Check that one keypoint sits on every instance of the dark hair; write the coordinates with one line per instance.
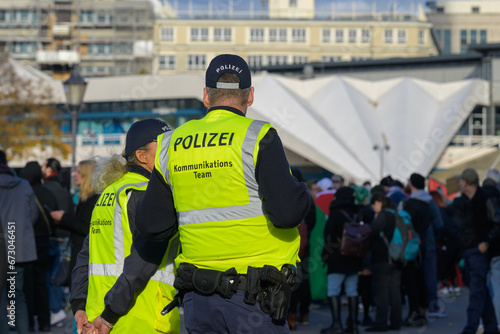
(54, 164)
(399, 183)
(3, 158)
(386, 202)
(367, 183)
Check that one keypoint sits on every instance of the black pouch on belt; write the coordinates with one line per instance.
(252, 287)
(184, 278)
(206, 281)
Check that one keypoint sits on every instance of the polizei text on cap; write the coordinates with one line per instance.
(228, 67)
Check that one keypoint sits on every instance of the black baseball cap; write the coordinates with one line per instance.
(142, 133)
(227, 63)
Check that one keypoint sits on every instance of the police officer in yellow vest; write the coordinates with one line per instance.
(109, 244)
(237, 208)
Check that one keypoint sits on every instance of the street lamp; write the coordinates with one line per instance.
(74, 88)
(382, 148)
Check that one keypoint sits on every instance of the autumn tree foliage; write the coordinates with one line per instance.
(27, 115)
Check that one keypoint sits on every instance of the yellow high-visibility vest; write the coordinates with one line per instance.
(110, 240)
(210, 165)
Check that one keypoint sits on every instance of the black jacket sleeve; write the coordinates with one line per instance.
(157, 206)
(140, 265)
(284, 198)
(80, 279)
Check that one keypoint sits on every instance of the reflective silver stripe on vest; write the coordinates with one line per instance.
(251, 210)
(116, 269)
(167, 275)
(165, 143)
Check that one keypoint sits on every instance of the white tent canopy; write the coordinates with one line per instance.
(336, 121)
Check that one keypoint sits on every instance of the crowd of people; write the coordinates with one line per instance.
(458, 245)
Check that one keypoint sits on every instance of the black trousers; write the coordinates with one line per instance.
(413, 280)
(301, 297)
(447, 257)
(386, 285)
(36, 288)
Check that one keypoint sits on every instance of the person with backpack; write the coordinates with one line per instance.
(427, 221)
(386, 273)
(341, 268)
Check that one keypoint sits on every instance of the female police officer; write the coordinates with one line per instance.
(109, 245)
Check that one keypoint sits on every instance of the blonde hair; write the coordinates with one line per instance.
(108, 170)
(111, 169)
(87, 168)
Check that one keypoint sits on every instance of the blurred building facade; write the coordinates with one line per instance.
(104, 37)
(461, 23)
(289, 32)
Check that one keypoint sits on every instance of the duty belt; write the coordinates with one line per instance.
(268, 285)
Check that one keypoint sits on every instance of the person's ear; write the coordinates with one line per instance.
(141, 156)
(206, 102)
(250, 97)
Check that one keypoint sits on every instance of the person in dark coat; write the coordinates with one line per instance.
(385, 272)
(449, 245)
(54, 181)
(78, 223)
(341, 269)
(475, 240)
(37, 291)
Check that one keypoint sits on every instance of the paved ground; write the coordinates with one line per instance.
(320, 318)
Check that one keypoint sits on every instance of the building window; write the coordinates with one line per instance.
(167, 62)
(326, 35)
(167, 34)
(339, 35)
(86, 16)
(352, 35)
(331, 59)
(447, 42)
(23, 47)
(483, 36)
(388, 35)
(255, 61)
(299, 35)
(100, 49)
(276, 60)
(366, 36)
(273, 35)
(3, 15)
(440, 10)
(463, 41)
(401, 36)
(104, 17)
(282, 35)
(293, 3)
(257, 35)
(222, 34)
(300, 59)
(199, 34)
(277, 35)
(197, 62)
(473, 37)
(124, 48)
(21, 15)
(475, 10)
(360, 58)
(421, 37)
